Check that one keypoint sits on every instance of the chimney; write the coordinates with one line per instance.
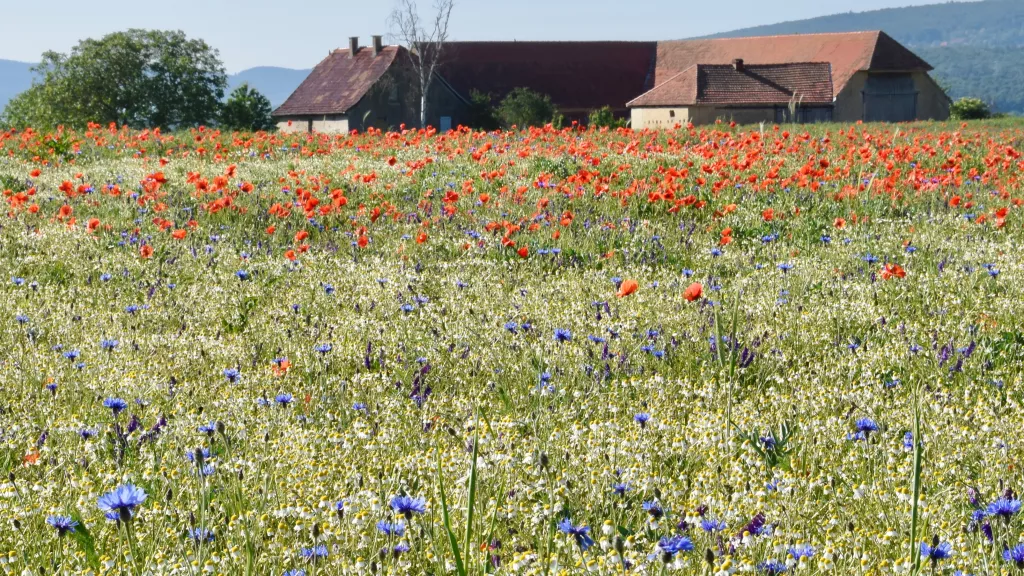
(737, 64)
(378, 45)
(353, 46)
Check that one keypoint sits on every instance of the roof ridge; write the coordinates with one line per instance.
(876, 32)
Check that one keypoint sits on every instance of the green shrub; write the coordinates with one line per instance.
(524, 107)
(969, 109)
(246, 109)
(605, 118)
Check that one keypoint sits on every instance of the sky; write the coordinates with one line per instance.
(299, 33)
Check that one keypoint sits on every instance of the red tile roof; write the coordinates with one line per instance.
(806, 82)
(338, 82)
(847, 52)
(576, 75)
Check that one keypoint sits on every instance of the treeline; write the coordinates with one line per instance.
(989, 23)
(138, 78)
(994, 75)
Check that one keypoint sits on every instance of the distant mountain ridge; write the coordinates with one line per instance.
(977, 48)
(273, 82)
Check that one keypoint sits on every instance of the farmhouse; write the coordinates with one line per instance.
(800, 92)
(796, 78)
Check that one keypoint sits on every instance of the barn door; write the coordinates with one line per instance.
(890, 98)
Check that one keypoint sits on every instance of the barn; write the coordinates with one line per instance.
(841, 77)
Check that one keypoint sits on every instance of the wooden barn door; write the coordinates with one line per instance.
(890, 98)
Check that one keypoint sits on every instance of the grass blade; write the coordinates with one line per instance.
(459, 566)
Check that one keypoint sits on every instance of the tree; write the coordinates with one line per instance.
(141, 78)
(246, 109)
(605, 118)
(969, 109)
(425, 48)
(481, 112)
(524, 107)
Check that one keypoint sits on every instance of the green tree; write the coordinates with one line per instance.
(142, 78)
(246, 109)
(481, 112)
(605, 118)
(969, 109)
(524, 107)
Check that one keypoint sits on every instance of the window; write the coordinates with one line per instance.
(446, 123)
(671, 113)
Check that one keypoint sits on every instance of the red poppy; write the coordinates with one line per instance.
(523, 252)
(627, 287)
(693, 292)
(146, 251)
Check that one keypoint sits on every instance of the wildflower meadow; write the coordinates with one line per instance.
(710, 351)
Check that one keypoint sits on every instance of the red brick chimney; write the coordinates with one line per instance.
(737, 64)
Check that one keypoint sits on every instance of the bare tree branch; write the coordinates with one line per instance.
(425, 46)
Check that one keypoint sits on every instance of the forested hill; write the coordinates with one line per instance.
(977, 48)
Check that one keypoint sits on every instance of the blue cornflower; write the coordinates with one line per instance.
(712, 525)
(408, 505)
(687, 272)
(122, 501)
(116, 405)
(63, 524)
(132, 308)
(232, 374)
(283, 399)
(621, 488)
(596, 339)
(391, 528)
(772, 567)
(87, 433)
(108, 345)
(908, 440)
(579, 533)
(562, 335)
(654, 508)
(939, 551)
(715, 252)
(870, 259)
(200, 535)
(294, 572)
(72, 355)
(104, 277)
(675, 544)
(203, 453)
(785, 267)
(1004, 507)
(642, 419)
(323, 348)
(328, 289)
(407, 308)
(315, 553)
(359, 406)
(866, 426)
(21, 318)
(242, 275)
(825, 239)
(208, 428)
(1015, 555)
(511, 327)
(801, 551)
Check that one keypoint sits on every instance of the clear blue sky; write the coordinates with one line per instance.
(299, 33)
